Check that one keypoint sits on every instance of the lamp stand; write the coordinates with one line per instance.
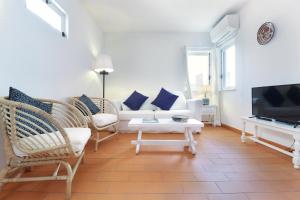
(103, 73)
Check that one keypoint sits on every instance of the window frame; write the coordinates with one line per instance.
(197, 51)
(201, 52)
(223, 66)
(54, 6)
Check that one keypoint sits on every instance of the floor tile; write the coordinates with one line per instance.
(224, 168)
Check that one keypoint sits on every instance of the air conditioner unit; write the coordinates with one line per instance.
(226, 29)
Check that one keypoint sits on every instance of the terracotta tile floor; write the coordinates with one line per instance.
(224, 168)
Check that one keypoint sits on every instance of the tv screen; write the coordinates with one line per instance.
(281, 102)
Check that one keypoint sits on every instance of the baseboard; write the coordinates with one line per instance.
(236, 130)
(231, 128)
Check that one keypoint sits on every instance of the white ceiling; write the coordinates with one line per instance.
(160, 15)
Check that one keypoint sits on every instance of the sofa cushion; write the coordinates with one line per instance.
(90, 104)
(170, 113)
(129, 114)
(103, 119)
(164, 99)
(180, 103)
(135, 100)
(78, 138)
(146, 106)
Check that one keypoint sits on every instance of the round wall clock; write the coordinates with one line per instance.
(265, 33)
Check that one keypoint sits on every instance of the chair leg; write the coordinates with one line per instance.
(69, 182)
(116, 129)
(69, 190)
(98, 140)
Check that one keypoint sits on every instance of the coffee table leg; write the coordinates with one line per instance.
(192, 141)
(186, 134)
(138, 145)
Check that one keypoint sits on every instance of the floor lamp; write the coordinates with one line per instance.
(103, 66)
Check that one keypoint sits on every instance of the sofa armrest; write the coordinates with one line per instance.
(195, 106)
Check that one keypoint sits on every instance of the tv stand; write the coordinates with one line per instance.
(274, 126)
(264, 118)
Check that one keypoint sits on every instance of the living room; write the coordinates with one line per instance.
(51, 50)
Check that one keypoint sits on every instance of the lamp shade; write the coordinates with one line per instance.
(206, 90)
(103, 63)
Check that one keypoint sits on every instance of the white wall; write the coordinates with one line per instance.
(276, 63)
(148, 61)
(38, 60)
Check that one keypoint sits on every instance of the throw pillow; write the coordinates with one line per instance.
(30, 124)
(90, 104)
(17, 95)
(165, 99)
(135, 100)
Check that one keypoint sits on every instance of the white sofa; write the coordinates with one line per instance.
(182, 106)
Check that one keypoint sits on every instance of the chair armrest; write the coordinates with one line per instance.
(109, 106)
(34, 131)
(195, 106)
(66, 114)
(82, 108)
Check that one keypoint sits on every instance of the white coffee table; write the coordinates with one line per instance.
(165, 123)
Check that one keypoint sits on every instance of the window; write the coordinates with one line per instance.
(228, 67)
(50, 12)
(198, 63)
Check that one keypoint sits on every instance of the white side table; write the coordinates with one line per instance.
(211, 111)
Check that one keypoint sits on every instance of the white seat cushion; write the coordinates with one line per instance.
(128, 115)
(103, 119)
(170, 113)
(78, 138)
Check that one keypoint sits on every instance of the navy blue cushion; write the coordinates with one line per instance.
(135, 100)
(90, 104)
(164, 99)
(18, 96)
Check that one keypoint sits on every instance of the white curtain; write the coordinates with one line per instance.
(216, 82)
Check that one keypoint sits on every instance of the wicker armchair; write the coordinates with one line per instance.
(33, 137)
(107, 118)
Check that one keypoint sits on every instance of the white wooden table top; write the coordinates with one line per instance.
(191, 123)
(273, 124)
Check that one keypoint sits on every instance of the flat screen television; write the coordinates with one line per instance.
(281, 102)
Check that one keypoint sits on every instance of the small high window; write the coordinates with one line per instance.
(228, 67)
(51, 12)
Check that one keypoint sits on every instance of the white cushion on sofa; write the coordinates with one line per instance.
(170, 113)
(78, 138)
(180, 103)
(129, 114)
(102, 119)
(147, 105)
